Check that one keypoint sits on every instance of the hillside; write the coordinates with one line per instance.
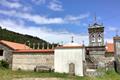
(21, 38)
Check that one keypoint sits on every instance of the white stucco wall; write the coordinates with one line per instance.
(63, 57)
(28, 61)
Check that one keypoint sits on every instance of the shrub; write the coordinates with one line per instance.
(4, 64)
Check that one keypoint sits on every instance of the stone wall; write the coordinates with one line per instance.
(7, 54)
(97, 53)
(28, 61)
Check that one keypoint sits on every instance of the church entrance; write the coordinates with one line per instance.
(72, 69)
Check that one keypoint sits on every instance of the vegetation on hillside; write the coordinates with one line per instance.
(21, 38)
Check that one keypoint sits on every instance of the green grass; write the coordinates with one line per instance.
(7, 74)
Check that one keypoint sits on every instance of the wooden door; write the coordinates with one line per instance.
(72, 68)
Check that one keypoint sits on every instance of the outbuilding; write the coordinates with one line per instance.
(30, 59)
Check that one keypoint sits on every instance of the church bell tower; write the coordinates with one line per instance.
(96, 34)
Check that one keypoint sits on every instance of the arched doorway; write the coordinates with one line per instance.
(72, 68)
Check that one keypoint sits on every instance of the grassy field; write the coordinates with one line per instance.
(6, 74)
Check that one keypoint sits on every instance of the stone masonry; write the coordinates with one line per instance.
(7, 54)
(28, 61)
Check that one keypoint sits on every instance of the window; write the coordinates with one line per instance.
(93, 39)
(99, 35)
(99, 44)
(1, 52)
(99, 39)
(93, 36)
(118, 44)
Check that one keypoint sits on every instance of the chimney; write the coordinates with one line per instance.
(33, 45)
(29, 43)
(52, 45)
(38, 46)
(57, 44)
(48, 46)
(43, 46)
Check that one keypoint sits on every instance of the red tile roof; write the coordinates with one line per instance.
(14, 45)
(109, 47)
(34, 51)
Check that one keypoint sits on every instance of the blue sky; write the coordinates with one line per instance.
(58, 20)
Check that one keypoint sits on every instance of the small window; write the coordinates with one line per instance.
(99, 39)
(99, 35)
(1, 52)
(93, 39)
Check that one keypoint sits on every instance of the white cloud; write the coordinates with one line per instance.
(38, 2)
(15, 5)
(37, 19)
(112, 29)
(42, 19)
(76, 19)
(34, 18)
(55, 5)
(42, 32)
(10, 4)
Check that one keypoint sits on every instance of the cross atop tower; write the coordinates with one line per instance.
(72, 39)
(117, 31)
(95, 19)
(96, 34)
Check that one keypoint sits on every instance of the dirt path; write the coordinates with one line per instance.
(39, 79)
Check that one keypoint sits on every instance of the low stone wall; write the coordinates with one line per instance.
(28, 61)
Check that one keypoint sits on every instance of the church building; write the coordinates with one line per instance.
(70, 58)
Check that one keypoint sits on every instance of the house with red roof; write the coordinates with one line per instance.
(21, 56)
(7, 48)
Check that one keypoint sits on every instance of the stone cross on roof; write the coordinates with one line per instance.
(72, 39)
(95, 19)
(117, 31)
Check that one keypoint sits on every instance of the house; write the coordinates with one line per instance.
(20, 56)
(6, 49)
(70, 58)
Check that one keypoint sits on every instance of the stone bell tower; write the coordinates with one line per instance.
(96, 34)
(95, 51)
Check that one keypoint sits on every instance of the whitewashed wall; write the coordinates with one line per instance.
(63, 57)
(28, 61)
